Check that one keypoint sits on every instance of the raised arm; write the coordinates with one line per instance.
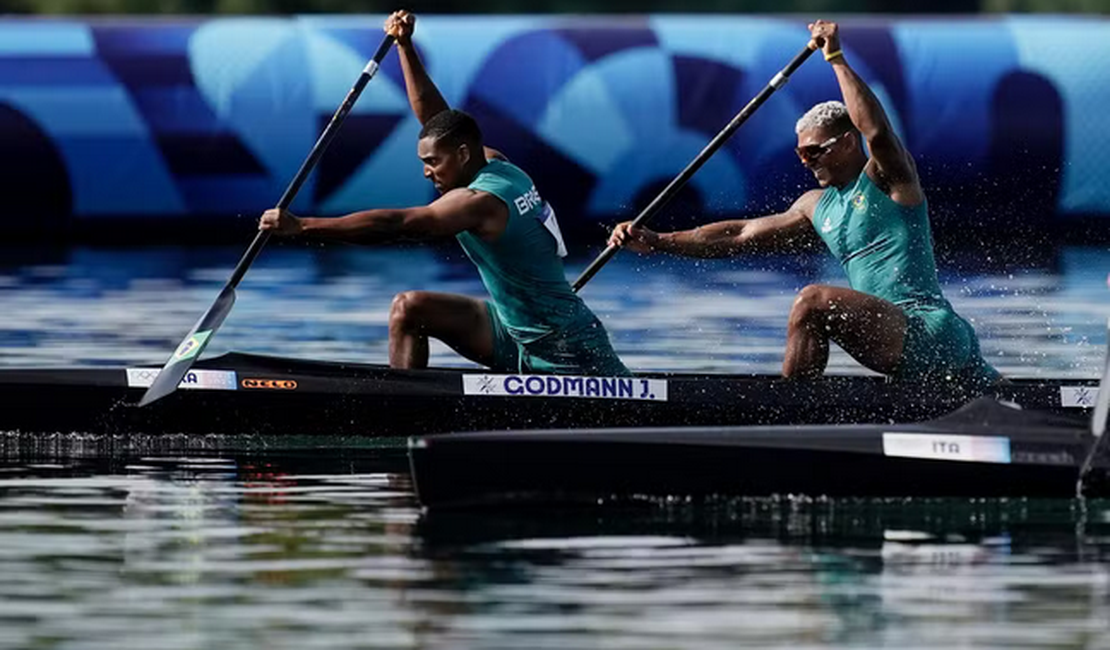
(424, 97)
(789, 229)
(890, 165)
(454, 212)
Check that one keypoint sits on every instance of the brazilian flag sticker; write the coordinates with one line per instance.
(192, 346)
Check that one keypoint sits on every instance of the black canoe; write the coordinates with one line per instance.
(244, 393)
(984, 449)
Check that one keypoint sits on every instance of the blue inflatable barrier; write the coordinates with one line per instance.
(158, 119)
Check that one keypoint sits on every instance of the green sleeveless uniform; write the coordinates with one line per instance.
(886, 249)
(539, 323)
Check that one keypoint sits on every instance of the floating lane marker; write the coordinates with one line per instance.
(194, 379)
(973, 449)
(624, 388)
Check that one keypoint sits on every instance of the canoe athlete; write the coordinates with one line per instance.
(872, 215)
(533, 321)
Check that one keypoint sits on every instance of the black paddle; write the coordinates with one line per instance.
(778, 81)
(1098, 418)
(195, 341)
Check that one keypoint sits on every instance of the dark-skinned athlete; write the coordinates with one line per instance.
(533, 321)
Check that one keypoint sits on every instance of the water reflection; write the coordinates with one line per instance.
(311, 550)
(200, 552)
(781, 572)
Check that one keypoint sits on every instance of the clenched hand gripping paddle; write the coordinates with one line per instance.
(672, 188)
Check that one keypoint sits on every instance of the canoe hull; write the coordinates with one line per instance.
(980, 451)
(253, 394)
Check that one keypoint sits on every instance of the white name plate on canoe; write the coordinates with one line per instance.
(627, 388)
(972, 449)
(1078, 396)
(194, 379)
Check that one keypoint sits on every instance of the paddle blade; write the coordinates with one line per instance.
(190, 348)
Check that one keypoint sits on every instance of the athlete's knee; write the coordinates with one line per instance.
(405, 311)
(812, 307)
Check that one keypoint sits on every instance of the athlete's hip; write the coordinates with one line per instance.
(582, 347)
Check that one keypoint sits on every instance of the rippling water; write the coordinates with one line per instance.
(101, 306)
(332, 552)
(294, 544)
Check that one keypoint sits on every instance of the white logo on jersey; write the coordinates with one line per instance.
(527, 201)
(531, 199)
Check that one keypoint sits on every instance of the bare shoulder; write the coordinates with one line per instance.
(465, 197)
(463, 209)
(806, 204)
(475, 203)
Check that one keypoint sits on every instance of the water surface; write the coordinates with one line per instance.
(331, 551)
(227, 542)
(92, 306)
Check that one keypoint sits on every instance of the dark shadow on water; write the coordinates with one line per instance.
(1019, 524)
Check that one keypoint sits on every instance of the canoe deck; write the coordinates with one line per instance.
(255, 394)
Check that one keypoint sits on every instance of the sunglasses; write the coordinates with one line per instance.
(815, 151)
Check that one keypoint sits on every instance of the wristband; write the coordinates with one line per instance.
(832, 55)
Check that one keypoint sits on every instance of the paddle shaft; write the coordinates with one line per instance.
(778, 81)
(314, 156)
(188, 351)
(1098, 417)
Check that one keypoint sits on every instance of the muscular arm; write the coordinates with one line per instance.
(791, 228)
(424, 97)
(454, 212)
(890, 164)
